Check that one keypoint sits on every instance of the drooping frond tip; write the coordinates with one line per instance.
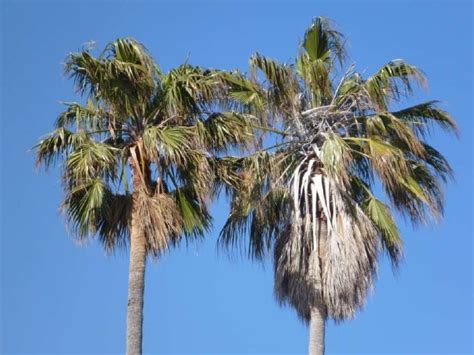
(395, 80)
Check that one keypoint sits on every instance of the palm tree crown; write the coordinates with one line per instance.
(164, 126)
(312, 197)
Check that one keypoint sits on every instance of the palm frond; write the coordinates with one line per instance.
(388, 127)
(189, 90)
(247, 95)
(423, 116)
(335, 156)
(282, 83)
(123, 77)
(222, 131)
(83, 207)
(196, 218)
(394, 80)
(322, 46)
(315, 74)
(91, 160)
(438, 163)
(322, 42)
(383, 221)
(255, 203)
(87, 117)
(171, 144)
(385, 159)
(129, 50)
(113, 227)
(57, 145)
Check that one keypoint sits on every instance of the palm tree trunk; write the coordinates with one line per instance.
(317, 331)
(317, 325)
(136, 288)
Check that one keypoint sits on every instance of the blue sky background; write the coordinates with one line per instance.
(57, 297)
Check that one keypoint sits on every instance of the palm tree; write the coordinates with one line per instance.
(322, 198)
(159, 130)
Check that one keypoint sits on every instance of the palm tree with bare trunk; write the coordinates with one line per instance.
(138, 155)
(342, 161)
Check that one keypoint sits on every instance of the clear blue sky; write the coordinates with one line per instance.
(57, 297)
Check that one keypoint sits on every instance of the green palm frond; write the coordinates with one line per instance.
(322, 42)
(420, 194)
(87, 117)
(113, 227)
(322, 46)
(349, 88)
(247, 95)
(171, 144)
(438, 163)
(261, 219)
(335, 155)
(123, 77)
(282, 83)
(381, 217)
(223, 131)
(315, 74)
(385, 160)
(57, 145)
(178, 98)
(388, 127)
(128, 50)
(423, 116)
(83, 207)
(393, 81)
(257, 206)
(189, 90)
(196, 218)
(91, 160)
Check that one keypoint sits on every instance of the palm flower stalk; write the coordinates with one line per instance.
(322, 199)
(138, 156)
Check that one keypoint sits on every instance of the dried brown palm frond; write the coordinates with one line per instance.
(160, 219)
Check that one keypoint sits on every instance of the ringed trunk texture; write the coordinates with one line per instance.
(317, 331)
(136, 288)
(136, 276)
(317, 325)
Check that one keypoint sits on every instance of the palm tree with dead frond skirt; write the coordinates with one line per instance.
(157, 129)
(312, 196)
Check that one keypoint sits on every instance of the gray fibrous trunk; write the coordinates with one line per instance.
(317, 331)
(136, 287)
